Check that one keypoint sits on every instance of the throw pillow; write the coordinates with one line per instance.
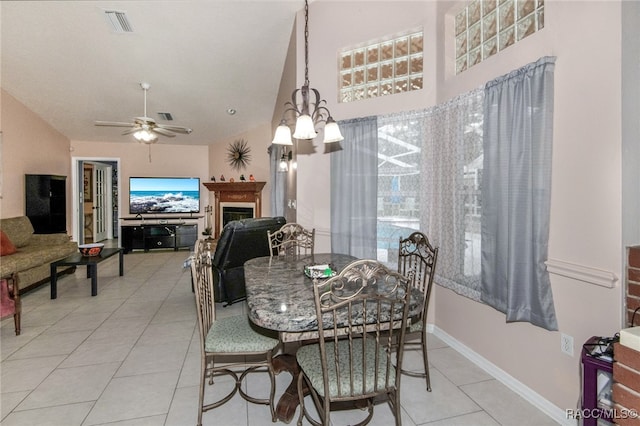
(6, 246)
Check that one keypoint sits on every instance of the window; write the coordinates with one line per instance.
(486, 27)
(381, 69)
(400, 138)
(429, 175)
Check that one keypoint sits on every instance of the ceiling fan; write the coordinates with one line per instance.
(145, 129)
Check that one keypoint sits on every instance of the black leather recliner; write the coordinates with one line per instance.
(240, 241)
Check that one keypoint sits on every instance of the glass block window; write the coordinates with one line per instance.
(381, 69)
(485, 27)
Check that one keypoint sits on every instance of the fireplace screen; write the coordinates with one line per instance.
(235, 213)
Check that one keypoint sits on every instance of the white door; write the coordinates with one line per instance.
(101, 202)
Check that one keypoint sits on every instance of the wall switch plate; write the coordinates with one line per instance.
(566, 344)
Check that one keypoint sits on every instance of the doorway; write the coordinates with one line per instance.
(95, 190)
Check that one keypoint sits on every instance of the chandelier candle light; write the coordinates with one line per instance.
(305, 118)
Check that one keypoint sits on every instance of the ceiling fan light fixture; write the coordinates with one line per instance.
(145, 129)
(145, 136)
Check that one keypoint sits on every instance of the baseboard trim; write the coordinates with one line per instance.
(544, 405)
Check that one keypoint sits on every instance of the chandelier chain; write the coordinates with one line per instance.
(306, 42)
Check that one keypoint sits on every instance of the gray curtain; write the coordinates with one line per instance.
(278, 182)
(354, 189)
(516, 189)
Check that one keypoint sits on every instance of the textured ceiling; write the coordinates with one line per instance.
(63, 60)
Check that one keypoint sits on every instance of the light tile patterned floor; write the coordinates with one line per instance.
(129, 356)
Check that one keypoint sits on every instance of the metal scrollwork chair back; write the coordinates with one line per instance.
(417, 260)
(356, 358)
(291, 239)
(245, 348)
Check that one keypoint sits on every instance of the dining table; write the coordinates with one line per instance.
(280, 298)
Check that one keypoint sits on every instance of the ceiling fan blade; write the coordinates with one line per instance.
(114, 124)
(177, 129)
(131, 130)
(163, 132)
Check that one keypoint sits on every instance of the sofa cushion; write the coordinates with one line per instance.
(6, 246)
(32, 256)
(18, 229)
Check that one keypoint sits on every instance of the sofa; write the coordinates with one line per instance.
(239, 241)
(28, 254)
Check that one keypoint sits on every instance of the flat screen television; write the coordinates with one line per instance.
(160, 195)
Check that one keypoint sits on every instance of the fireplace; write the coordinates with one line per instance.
(235, 211)
(241, 196)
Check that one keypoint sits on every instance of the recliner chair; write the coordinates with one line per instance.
(240, 241)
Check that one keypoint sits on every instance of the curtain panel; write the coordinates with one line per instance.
(516, 194)
(451, 153)
(278, 182)
(354, 189)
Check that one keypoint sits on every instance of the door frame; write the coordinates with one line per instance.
(77, 192)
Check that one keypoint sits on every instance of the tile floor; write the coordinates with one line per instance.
(130, 356)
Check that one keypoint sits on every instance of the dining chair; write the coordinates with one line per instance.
(417, 260)
(10, 303)
(291, 239)
(244, 348)
(359, 312)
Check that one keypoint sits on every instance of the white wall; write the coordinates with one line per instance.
(586, 212)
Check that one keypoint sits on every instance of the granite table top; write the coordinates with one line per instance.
(280, 295)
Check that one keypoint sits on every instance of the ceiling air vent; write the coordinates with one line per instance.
(165, 116)
(119, 21)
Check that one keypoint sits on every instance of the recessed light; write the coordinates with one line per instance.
(231, 111)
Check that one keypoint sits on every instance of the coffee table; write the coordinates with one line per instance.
(92, 267)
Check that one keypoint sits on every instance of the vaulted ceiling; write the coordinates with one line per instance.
(64, 61)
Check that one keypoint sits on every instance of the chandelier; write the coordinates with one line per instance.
(308, 114)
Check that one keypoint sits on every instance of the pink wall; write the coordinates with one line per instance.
(259, 140)
(586, 202)
(29, 146)
(160, 159)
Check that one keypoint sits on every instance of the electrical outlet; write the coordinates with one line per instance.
(566, 344)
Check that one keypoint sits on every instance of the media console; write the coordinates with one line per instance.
(158, 236)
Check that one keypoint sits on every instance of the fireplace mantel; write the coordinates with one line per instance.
(235, 192)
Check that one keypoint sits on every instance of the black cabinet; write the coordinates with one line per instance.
(149, 237)
(46, 203)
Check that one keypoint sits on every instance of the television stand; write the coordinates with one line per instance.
(159, 236)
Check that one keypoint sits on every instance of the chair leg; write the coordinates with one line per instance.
(203, 378)
(16, 321)
(272, 393)
(425, 358)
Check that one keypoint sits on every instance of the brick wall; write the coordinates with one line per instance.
(632, 291)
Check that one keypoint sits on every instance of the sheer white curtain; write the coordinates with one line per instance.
(354, 189)
(450, 214)
(516, 194)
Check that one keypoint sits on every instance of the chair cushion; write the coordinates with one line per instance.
(415, 326)
(236, 335)
(308, 357)
(6, 246)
